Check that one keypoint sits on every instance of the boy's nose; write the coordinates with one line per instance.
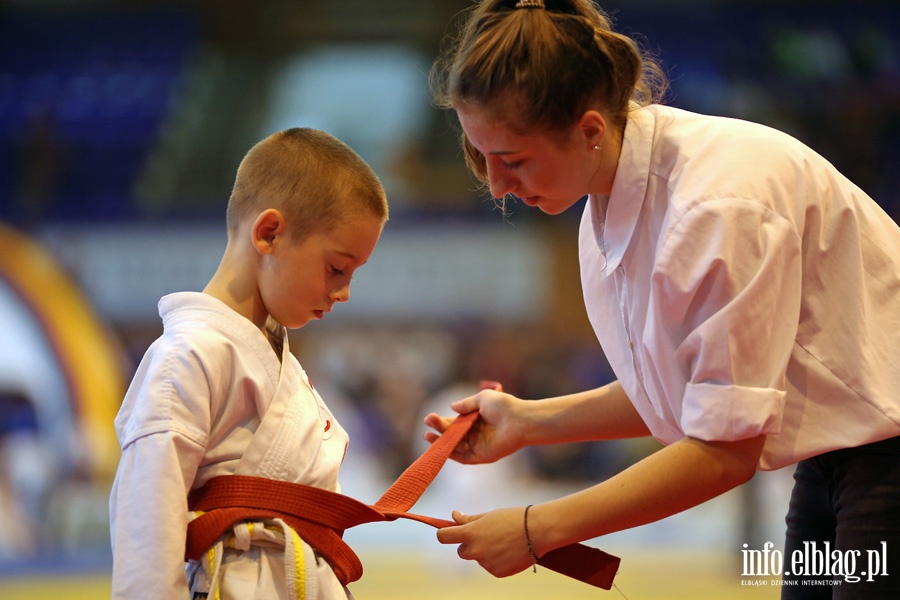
(341, 294)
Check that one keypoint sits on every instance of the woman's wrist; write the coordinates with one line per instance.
(531, 552)
(540, 531)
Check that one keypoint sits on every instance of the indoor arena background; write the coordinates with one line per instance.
(121, 127)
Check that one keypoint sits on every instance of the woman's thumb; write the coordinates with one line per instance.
(461, 518)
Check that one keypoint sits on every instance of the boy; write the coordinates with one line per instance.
(219, 393)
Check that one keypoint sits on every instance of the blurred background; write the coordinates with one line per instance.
(121, 127)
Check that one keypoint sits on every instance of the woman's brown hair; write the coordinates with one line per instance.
(541, 68)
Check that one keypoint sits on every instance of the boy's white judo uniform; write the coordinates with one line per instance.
(211, 398)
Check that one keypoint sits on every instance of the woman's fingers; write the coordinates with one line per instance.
(455, 534)
(437, 422)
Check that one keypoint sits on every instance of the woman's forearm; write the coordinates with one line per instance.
(673, 479)
(604, 413)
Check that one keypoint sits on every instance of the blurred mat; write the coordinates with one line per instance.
(647, 575)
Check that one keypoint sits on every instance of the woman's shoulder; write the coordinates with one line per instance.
(712, 151)
(687, 130)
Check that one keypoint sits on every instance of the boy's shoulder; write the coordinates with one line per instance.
(191, 322)
(188, 372)
(204, 330)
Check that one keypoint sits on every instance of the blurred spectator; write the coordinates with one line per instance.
(26, 471)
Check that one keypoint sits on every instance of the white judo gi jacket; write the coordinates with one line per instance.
(740, 285)
(210, 398)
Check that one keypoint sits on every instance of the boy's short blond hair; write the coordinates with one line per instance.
(314, 179)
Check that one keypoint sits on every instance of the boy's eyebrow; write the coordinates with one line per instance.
(349, 255)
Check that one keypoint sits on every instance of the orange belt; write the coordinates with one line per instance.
(320, 517)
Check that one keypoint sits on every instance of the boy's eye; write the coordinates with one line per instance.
(336, 271)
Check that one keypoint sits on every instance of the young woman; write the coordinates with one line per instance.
(746, 294)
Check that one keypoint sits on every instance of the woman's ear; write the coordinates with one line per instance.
(266, 230)
(592, 128)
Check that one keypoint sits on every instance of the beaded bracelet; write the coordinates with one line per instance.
(528, 540)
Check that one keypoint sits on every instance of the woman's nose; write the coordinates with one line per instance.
(500, 181)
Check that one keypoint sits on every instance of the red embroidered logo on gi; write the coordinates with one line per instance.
(327, 424)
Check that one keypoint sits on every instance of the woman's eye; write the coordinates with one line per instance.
(513, 165)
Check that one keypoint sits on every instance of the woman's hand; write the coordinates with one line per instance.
(498, 432)
(496, 540)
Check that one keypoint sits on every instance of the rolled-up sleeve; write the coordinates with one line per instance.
(726, 297)
(726, 413)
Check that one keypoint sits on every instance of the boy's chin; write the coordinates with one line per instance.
(295, 323)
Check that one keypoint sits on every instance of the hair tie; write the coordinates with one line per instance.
(530, 4)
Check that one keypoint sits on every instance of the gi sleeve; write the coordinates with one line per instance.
(726, 291)
(148, 516)
(163, 429)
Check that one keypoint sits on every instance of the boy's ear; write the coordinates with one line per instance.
(266, 229)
